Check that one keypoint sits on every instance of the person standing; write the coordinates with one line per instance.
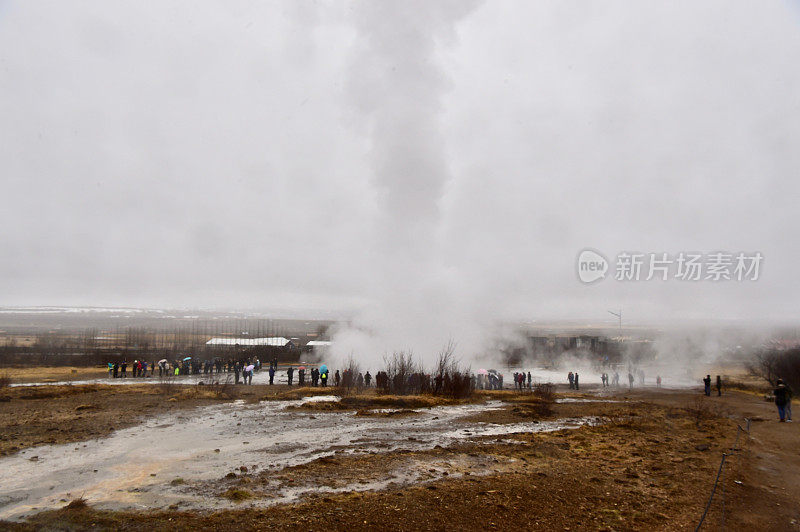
(719, 386)
(571, 379)
(324, 378)
(367, 379)
(781, 398)
(577, 385)
(658, 381)
(630, 380)
(271, 375)
(301, 377)
(707, 385)
(290, 374)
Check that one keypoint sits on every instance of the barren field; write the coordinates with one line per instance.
(265, 457)
(52, 374)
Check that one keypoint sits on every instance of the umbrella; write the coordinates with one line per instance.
(249, 368)
(162, 361)
(494, 371)
(302, 367)
(482, 372)
(323, 369)
(187, 358)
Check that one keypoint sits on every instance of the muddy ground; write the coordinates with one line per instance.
(649, 465)
(31, 416)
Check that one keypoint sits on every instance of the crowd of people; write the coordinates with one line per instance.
(242, 369)
(521, 381)
(607, 380)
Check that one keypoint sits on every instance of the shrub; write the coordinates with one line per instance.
(774, 364)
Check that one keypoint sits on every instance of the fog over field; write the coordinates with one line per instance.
(427, 168)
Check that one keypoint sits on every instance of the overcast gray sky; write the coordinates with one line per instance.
(409, 157)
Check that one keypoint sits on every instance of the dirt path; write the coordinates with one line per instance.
(763, 480)
(770, 474)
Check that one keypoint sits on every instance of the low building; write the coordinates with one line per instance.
(273, 341)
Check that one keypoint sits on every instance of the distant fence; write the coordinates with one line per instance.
(27, 356)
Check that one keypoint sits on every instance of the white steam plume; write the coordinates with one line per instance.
(398, 85)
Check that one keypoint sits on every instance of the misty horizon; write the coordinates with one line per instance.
(398, 163)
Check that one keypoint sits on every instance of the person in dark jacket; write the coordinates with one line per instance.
(290, 374)
(719, 386)
(707, 385)
(271, 374)
(781, 394)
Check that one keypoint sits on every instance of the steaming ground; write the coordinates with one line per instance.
(136, 467)
(588, 376)
(639, 459)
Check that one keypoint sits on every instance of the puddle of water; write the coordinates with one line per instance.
(133, 467)
(588, 400)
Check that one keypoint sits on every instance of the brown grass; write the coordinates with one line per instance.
(53, 374)
(237, 494)
(77, 504)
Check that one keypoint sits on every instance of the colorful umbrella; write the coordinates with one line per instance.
(187, 358)
(482, 372)
(323, 369)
